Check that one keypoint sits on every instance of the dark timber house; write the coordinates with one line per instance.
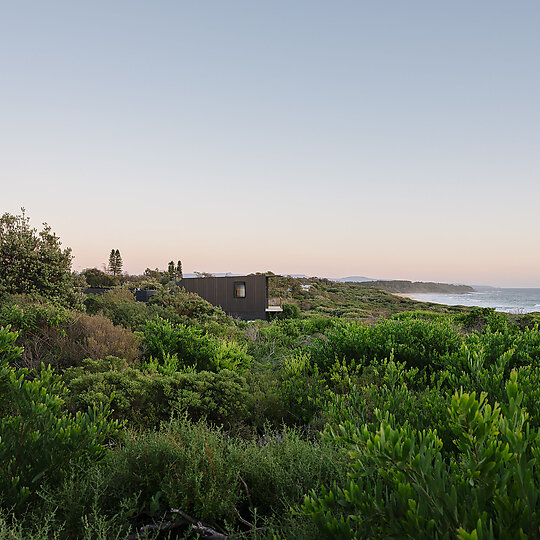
(243, 297)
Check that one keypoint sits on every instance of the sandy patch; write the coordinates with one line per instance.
(410, 296)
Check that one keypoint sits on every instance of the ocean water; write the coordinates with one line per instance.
(507, 300)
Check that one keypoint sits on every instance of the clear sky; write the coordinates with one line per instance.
(396, 139)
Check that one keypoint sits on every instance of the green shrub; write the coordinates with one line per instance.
(120, 306)
(214, 477)
(53, 335)
(34, 263)
(529, 320)
(39, 441)
(39, 528)
(303, 390)
(279, 473)
(27, 315)
(264, 403)
(479, 319)
(276, 340)
(290, 311)
(387, 387)
(418, 343)
(525, 345)
(402, 483)
(181, 307)
(148, 398)
(80, 507)
(316, 325)
(484, 361)
(193, 346)
(184, 466)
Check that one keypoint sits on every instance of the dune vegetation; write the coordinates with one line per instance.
(352, 414)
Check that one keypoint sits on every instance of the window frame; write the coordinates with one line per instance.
(236, 283)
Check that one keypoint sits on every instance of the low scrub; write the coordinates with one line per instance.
(53, 335)
(217, 479)
(418, 343)
(193, 347)
(146, 398)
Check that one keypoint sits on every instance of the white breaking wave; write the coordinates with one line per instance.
(507, 300)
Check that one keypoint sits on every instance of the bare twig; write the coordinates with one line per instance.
(198, 527)
(208, 532)
(247, 491)
(244, 521)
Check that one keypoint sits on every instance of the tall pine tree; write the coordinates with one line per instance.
(172, 272)
(119, 262)
(115, 263)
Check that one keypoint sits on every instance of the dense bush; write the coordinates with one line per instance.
(120, 306)
(193, 346)
(182, 466)
(290, 311)
(276, 340)
(182, 307)
(95, 336)
(302, 388)
(387, 387)
(208, 475)
(418, 343)
(39, 441)
(403, 483)
(147, 398)
(28, 315)
(54, 335)
(95, 277)
(188, 367)
(480, 319)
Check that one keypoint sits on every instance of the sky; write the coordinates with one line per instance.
(394, 140)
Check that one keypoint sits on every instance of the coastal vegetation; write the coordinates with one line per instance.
(353, 414)
(401, 286)
(319, 296)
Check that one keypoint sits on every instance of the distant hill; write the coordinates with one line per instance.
(355, 279)
(214, 274)
(400, 286)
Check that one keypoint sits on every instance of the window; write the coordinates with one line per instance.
(239, 289)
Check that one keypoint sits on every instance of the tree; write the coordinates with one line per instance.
(175, 272)
(172, 271)
(179, 274)
(119, 262)
(33, 262)
(96, 278)
(115, 263)
(112, 262)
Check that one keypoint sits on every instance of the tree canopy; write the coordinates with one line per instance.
(33, 262)
(97, 278)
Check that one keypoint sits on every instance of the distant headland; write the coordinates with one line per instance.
(406, 287)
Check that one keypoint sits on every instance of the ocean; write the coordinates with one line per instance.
(502, 299)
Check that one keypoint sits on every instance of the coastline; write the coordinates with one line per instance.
(506, 300)
(410, 296)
